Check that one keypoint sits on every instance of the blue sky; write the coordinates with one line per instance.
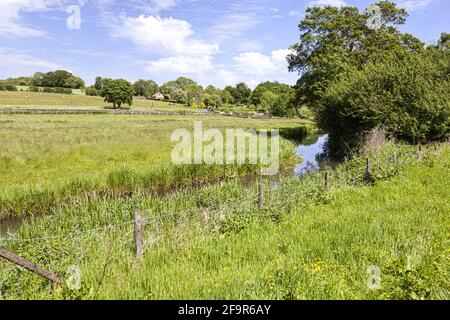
(214, 42)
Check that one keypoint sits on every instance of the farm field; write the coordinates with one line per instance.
(216, 244)
(46, 101)
(49, 152)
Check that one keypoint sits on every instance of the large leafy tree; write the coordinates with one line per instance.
(118, 92)
(332, 40)
(145, 88)
(274, 87)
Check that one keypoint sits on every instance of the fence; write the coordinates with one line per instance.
(138, 223)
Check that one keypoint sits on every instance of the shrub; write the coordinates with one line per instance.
(48, 90)
(63, 90)
(34, 89)
(2, 87)
(407, 94)
(10, 87)
(91, 92)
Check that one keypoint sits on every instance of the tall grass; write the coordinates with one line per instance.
(46, 160)
(307, 242)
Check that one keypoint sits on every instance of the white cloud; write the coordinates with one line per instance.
(181, 65)
(165, 36)
(260, 65)
(19, 63)
(160, 5)
(295, 13)
(334, 3)
(11, 25)
(414, 5)
(256, 67)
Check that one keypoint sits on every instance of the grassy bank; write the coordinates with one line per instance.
(307, 242)
(47, 158)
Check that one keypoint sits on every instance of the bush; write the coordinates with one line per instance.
(63, 90)
(2, 87)
(91, 92)
(10, 87)
(34, 89)
(48, 90)
(407, 94)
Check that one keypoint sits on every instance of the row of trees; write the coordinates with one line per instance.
(273, 97)
(54, 79)
(358, 76)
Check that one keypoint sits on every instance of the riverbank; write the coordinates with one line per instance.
(306, 242)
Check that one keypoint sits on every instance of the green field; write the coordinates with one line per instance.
(34, 100)
(41, 154)
(306, 243)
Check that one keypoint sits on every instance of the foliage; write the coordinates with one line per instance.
(58, 78)
(118, 92)
(92, 91)
(145, 88)
(274, 87)
(10, 87)
(215, 244)
(407, 94)
(241, 93)
(334, 40)
(34, 89)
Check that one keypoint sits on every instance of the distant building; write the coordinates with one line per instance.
(158, 96)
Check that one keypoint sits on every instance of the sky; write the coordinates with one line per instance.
(218, 42)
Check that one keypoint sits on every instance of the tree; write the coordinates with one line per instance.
(242, 93)
(334, 40)
(145, 88)
(213, 101)
(226, 97)
(444, 41)
(118, 92)
(274, 87)
(98, 83)
(407, 94)
(267, 101)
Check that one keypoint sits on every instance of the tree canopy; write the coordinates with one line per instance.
(118, 92)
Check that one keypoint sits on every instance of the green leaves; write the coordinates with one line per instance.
(118, 92)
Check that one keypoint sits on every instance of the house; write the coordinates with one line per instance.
(158, 96)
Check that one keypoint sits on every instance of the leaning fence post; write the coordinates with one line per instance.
(260, 196)
(326, 178)
(368, 169)
(138, 235)
(33, 267)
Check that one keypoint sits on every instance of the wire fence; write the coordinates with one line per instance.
(273, 197)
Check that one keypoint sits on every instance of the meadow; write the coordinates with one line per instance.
(307, 242)
(45, 101)
(48, 157)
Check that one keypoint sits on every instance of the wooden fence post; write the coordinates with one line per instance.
(260, 196)
(368, 169)
(24, 263)
(138, 235)
(420, 154)
(326, 178)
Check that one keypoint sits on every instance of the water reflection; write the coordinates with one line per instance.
(311, 151)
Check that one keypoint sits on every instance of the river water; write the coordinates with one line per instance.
(312, 152)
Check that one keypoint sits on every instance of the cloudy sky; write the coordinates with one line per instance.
(216, 42)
